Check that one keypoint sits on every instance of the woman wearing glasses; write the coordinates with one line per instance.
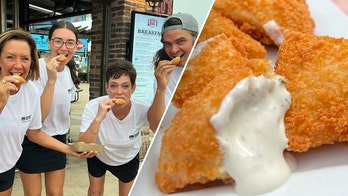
(57, 87)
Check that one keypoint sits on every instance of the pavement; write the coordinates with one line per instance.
(76, 178)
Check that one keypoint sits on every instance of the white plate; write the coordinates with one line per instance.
(320, 171)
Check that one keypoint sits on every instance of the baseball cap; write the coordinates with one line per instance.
(188, 22)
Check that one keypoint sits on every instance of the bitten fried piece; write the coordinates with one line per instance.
(217, 24)
(215, 56)
(119, 101)
(191, 156)
(176, 60)
(190, 152)
(250, 15)
(20, 79)
(62, 58)
(316, 69)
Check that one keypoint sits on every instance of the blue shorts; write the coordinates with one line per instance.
(126, 172)
(7, 179)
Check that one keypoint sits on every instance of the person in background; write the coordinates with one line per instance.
(57, 89)
(116, 121)
(179, 33)
(20, 113)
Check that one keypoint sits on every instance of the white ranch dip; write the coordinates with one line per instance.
(273, 31)
(250, 128)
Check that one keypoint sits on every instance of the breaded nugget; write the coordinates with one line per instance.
(176, 60)
(20, 79)
(217, 24)
(316, 69)
(119, 101)
(190, 152)
(215, 56)
(191, 156)
(250, 15)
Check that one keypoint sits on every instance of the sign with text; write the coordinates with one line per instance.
(145, 42)
(165, 7)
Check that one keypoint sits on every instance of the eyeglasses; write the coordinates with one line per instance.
(58, 42)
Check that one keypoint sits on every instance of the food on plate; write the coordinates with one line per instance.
(85, 147)
(176, 60)
(119, 101)
(191, 156)
(250, 16)
(299, 104)
(62, 57)
(217, 24)
(316, 70)
(216, 54)
(19, 78)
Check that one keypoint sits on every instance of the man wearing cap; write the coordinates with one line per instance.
(179, 33)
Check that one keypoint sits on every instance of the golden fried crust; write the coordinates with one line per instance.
(190, 152)
(316, 69)
(217, 24)
(62, 58)
(119, 101)
(250, 15)
(213, 59)
(216, 56)
(20, 79)
(176, 60)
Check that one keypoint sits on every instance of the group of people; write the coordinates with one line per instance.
(35, 115)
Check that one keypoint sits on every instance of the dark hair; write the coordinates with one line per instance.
(73, 72)
(171, 22)
(20, 34)
(159, 56)
(118, 68)
(61, 25)
(71, 64)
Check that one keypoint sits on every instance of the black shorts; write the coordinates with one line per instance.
(37, 159)
(7, 179)
(126, 172)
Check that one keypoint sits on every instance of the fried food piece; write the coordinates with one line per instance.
(119, 101)
(316, 69)
(19, 78)
(191, 156)
(216, 54)
(176, 60)
(62, 58)
(250, 16)
(217, 24)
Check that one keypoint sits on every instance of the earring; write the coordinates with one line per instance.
(30, 72)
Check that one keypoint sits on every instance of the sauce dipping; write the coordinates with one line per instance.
(251, 132)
